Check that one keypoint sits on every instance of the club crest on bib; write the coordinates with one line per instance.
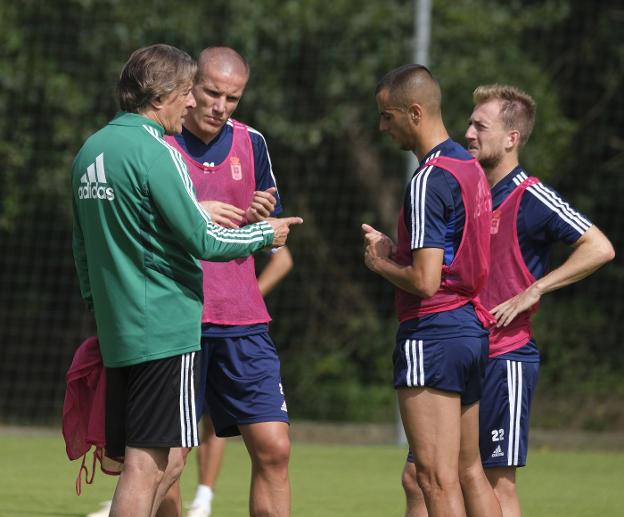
(235, 167)
(495, 222)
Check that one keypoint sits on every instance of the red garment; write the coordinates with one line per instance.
(84, 414)
(230, 288)
(465, 277)
(509, 274)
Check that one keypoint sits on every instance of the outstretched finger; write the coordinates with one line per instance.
(371, 238)
(292, 220)
(367, 228)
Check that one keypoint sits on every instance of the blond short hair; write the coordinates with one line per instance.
(517, 107)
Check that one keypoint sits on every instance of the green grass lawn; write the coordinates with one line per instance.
(36, 479)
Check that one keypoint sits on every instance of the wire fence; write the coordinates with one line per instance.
(314, 68)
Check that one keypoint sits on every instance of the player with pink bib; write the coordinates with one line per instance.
(438, 266)
(231, 289)
(229, 164)
(466, 274)
(528, 218)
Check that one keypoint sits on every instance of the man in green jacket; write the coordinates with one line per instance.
(138, 234)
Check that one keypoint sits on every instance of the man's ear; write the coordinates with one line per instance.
(513, 139)
(415, 112)
(156, 102)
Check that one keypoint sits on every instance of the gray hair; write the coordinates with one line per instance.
(152, 72)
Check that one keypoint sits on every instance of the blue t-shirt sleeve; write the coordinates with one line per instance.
(429, 207)
(263, 168)
(548, 218)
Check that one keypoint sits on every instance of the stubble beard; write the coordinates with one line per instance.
(490, 161)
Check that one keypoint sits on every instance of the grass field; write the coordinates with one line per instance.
(37, 480)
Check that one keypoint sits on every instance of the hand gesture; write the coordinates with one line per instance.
(281, 227)
(262, 205)
(228, 216)
(508, 310)
(378, 246)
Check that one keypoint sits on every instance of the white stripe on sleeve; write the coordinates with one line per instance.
(266, 149)
(418, 192)
(550, 199)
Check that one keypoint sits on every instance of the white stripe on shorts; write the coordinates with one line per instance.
(188, 421)
(421, 364)
(514, 388)
(415, 363)
(408, 360)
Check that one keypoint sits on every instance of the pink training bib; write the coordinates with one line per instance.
(231, 293)
(509, 274)
(465, 276)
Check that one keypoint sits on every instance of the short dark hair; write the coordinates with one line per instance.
(412, 83)
(152, 72)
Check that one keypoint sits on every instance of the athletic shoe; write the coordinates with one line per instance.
(198, 511)
(102, 512)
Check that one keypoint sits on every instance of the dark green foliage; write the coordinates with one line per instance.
(314, 66)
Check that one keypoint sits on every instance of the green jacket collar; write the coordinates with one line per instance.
(124, 118)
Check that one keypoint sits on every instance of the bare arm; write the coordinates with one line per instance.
(278, 266)
(591, 251)
(421, 278)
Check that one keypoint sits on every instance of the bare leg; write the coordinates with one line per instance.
(414, 497)
(479, 499)
(171, 503)
(210, 454)
(136, 489)
(209, 459)
(503, 480)
(168, 501)
(268, 444)
(432, 421)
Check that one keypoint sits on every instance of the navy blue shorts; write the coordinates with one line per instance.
(241, 382)
(504, 412)
(449, 364)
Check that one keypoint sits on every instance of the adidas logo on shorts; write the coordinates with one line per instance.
(93, 182)
(498, 452)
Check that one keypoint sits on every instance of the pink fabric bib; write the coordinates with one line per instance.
(84, 412)
(464, 278)
(231, 293)
(508, 273)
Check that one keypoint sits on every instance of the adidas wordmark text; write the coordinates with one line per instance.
(93, 182)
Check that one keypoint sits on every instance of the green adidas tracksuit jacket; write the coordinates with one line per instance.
(138, 232)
